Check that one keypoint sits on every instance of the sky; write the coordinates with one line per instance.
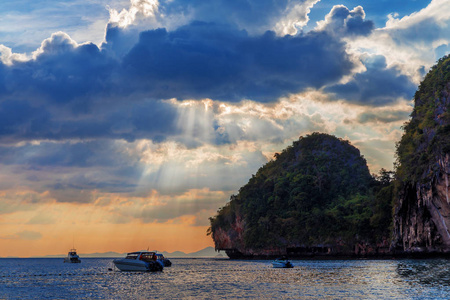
(126, 124)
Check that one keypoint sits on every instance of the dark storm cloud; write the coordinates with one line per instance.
(20, 120)
(48, 154)
(344, 22)
(62, 73)
(377, 86)
(219, 62)
(19, 117)
(81, 91)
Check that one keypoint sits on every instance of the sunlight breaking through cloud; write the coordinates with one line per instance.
(295, 19)
(124, 18)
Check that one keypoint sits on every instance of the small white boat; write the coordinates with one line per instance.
(142, 261)
(72, 257)
(282, 263)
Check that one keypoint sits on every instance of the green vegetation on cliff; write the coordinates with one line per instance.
(317, 191)
(427, 135)
(421, 212)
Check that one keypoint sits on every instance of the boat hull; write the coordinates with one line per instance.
(72, 260)
(282, 264)
(129, 265)
(135, 266)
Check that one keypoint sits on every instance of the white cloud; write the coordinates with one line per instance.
(8, 57)
(295, 18)
(437, 10)
(410, 43)
(59, 42)
(126, 17)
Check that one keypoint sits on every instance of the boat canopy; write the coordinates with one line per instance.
(146, 256)
(133, 255)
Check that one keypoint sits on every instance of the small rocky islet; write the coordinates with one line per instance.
(317, 198)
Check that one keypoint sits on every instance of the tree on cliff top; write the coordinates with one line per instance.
(317, 191)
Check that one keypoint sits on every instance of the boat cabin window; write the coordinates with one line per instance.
(132, 255)
(147, 256)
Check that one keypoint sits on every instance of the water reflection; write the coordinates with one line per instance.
(225, 279)
(425, 272)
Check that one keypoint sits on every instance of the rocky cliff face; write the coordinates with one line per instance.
(422, 215)
(422, 210)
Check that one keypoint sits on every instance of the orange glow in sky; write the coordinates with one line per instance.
(91, 238)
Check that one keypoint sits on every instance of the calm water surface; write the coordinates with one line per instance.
(50, 278)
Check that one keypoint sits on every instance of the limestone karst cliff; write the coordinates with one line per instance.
(422, 209)
(316, 198)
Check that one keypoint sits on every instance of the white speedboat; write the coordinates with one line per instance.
(142, 261)
(72, 257)
(282, 263)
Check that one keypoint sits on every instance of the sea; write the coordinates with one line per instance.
(96, 278)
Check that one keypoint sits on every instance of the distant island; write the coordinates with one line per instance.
(208, 252)
(317, 198)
